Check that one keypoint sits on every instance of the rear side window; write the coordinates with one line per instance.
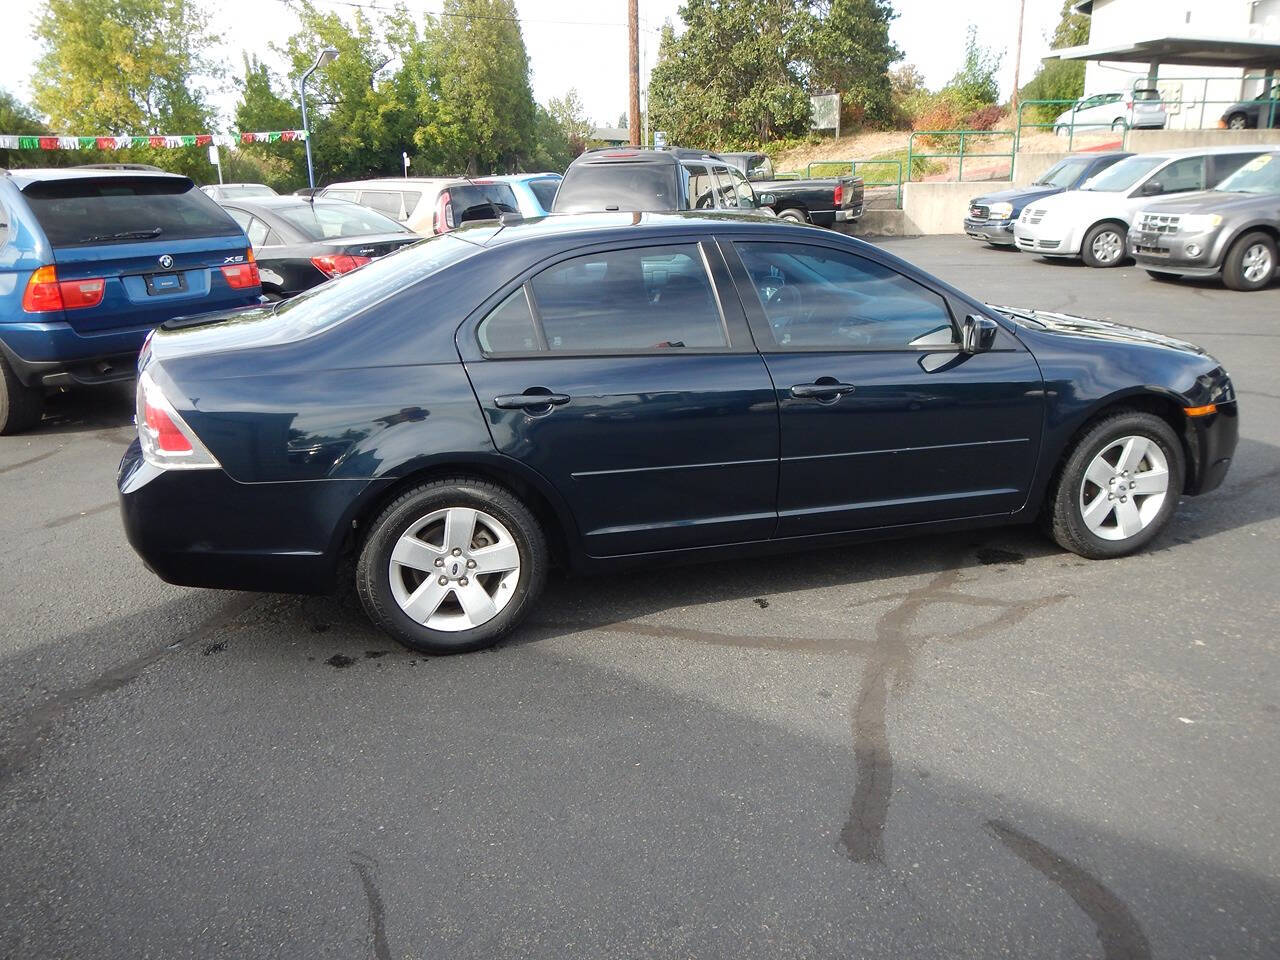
(615, 301)
(746, 196)
(624, 186)
(80, 211)
(510, 328)
(544, 191)
(389, 202)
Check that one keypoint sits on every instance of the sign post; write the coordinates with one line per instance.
(405, 156)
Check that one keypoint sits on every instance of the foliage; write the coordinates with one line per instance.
(17, 118)
(976, 82)
(741, 72)
(984, 118)
(571, 120)
(281, 165)
(126, 66)
(1072, 29)
(1058, 79)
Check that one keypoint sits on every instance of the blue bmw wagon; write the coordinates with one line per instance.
(90, 261)
(600, 390)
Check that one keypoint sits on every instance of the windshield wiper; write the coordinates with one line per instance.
(127, 235)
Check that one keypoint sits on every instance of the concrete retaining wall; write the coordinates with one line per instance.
(1146, 141)
(1028, 166)
(939, 206)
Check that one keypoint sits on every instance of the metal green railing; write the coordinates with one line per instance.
(961, 153)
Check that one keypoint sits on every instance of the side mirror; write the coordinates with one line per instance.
(767, 199)
(979, 334)
(1151, 188)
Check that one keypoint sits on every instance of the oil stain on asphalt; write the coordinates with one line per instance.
(366, 869)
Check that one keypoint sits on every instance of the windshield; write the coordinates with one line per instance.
(341, 298)
(87, 210)
(1063, 173)
(1124, 174)
(627, 187)
(328, 221)
(1259, 175)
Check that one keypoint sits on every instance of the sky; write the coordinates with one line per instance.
(583, 45)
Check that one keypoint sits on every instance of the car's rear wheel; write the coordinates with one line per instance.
(795, 216)
(21, 406)
(1237, 121)
(1250, 263)
(452, 565)
(1103, 245)
(1118, 488)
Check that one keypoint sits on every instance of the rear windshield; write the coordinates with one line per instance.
(1063, 173)
(622, 186)
(76, 212)
(481, 201)
(335, 301)
(1146, 94)
(328, 221)
(544, 191)
(1125, 173)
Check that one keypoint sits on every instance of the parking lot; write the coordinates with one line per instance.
(963, 745)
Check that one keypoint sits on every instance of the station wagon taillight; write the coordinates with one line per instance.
(242, 275)
(334, 264)
(45, 292)
(442, 219)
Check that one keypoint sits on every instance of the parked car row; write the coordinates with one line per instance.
(1203, 211)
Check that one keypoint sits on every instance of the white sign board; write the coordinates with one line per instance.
(213, 154)
(659, 139)
(825, 109)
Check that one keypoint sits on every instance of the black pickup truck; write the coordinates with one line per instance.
(824, 202)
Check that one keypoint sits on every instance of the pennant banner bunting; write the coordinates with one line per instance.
(159, 141)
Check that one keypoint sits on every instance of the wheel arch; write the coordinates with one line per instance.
(550, 509)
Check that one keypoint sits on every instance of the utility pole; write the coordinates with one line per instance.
(633, 56)
(1017, 58)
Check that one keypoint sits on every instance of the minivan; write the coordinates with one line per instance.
(429, 205)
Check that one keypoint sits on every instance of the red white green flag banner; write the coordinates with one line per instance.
(13, 142)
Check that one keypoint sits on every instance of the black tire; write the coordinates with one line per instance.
(21, 407)
(795, 216)
(373, 572)
(1163, 277)
(1237, 121)
(1097, 230)
(1064, 519)
(1233, 263)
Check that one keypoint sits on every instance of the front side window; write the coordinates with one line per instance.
(1223, 165)
(724, 187)
(1259, 175)
(638, 300)
(701, 187)
(817, 298)
(746, 196)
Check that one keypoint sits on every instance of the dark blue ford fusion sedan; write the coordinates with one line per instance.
(607, 389)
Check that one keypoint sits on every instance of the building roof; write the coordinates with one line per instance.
(1181, 49)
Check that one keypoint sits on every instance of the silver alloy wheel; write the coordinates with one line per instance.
(1237, 122)
(1108, 246)
(1124, 488)
(1256, 263)
(454, 569)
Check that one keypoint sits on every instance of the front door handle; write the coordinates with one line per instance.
(529, 400)
(825, 388)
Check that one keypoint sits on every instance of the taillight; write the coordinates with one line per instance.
(838, 196)
(167, 442)
(242, 275)
(45, 292)
(334, 264)
(442, 219)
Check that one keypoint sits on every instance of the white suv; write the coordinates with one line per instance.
(1139, 109)
(1092, 223)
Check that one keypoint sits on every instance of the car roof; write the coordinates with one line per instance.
(606, 155)
(24, 178)
(291, 200)
(588, 227)
(1199, 151)
(1095, 154)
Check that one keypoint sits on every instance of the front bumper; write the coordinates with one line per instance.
(1187, 255)
(1212, 442)
(201, 528)
(990, 231)
(1046, 240)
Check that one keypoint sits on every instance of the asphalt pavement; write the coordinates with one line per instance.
(971, 745)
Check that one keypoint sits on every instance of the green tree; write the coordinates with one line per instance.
(127, 67)
(260, 107)
(975, 84)
(477, 104)
(571, 118)
(1058, 79)
(852, 53)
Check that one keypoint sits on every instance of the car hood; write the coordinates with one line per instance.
(1212, 201)
(1014, 195)
(1066, 324)
(1081, 203)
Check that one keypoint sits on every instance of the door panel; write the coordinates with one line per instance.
(884, 420)
(659, 424)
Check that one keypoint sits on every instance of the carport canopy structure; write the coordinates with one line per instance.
(1183, 51)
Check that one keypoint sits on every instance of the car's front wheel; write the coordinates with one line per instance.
(1103, 245)
(1119, 486)
(452, 565)
(1250, 263)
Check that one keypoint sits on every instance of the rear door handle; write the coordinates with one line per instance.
(526, 401)
(827, 388)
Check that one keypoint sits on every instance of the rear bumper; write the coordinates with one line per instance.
(1212, 441)
(990, 231)
(850, 214)
(201, 528)
(53, 354)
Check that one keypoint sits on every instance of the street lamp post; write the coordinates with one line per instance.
(327, 55)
